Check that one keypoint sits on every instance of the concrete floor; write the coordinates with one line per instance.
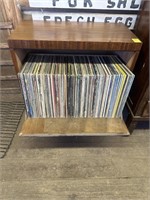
(77, 168)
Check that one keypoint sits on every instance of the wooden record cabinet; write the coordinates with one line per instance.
(71, 37)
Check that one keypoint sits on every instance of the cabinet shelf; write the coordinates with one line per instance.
(73, 36)
(31, 36)
(73, 127)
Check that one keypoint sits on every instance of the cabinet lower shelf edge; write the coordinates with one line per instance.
(47, 127)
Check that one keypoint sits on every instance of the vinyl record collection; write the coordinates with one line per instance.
(77, 86)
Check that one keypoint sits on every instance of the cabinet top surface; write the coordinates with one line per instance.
(73, 35)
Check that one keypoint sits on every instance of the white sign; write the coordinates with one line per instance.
(88, 4)
(128, 20)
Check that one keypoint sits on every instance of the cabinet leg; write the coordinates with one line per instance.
(132, 126)
(131, 123)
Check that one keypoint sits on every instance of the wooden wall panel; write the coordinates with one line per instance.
(11, 11)
(4, 54)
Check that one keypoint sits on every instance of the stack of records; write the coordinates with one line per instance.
(62, 86)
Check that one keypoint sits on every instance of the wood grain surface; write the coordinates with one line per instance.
(73, 126)
(73, 36)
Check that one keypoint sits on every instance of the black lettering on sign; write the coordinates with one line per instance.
(46, 17)
(107, 19)
(122, 2)
(133, 5)
(128, 21)
(68, 18)
(90, 20)
(87, 2)
(74, 4)
(58, 19)
(118, 20)
(54, 2)
(112, 4)
(80, 17)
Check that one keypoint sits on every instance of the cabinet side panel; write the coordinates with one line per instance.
(18, 57)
